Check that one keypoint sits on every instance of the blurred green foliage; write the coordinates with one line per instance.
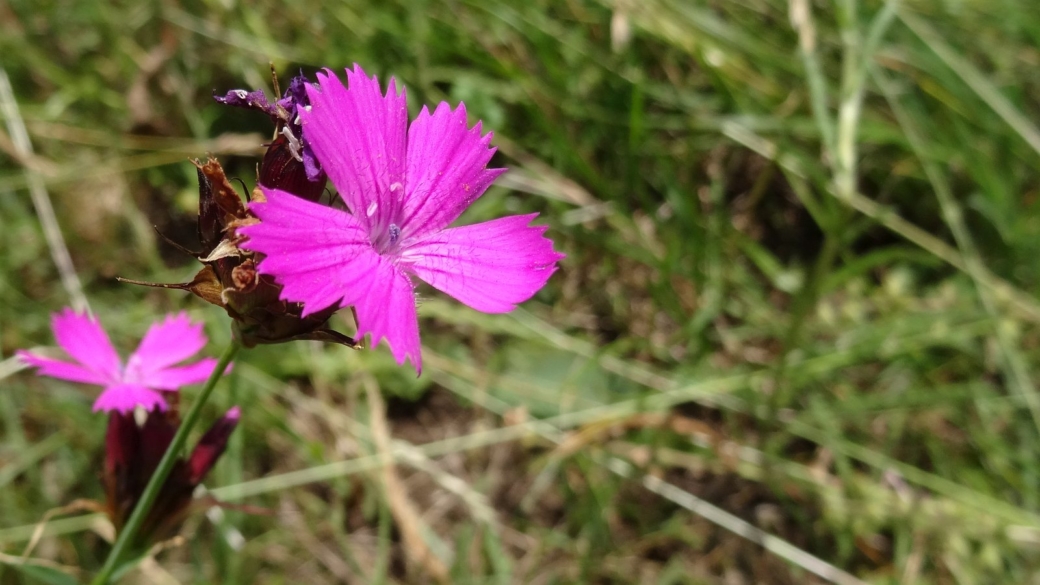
(801, 286)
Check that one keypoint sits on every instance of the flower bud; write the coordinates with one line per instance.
(284, 169)
(133, 450)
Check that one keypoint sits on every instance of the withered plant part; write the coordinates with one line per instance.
(229, 278)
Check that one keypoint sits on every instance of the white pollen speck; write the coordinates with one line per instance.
(241, 93)
(307, 107)
(371, 209)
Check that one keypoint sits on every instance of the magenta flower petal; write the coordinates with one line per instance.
(124, 397)
(446, 169)
(489, 266)
(59, 369)
(174, 378)
(358, 135)
(86, 342)
(386, 308)
(173, 340)
(320, 255)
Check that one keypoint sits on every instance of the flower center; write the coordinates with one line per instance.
(385, 241)
(385, 232)
(132, 372)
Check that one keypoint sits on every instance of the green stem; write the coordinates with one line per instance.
(151, 491)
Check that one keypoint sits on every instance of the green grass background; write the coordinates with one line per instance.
(793, 341)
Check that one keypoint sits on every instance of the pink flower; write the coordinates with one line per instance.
(149, 369)
(403, 186)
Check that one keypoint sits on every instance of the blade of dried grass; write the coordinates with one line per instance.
(738, 526)
(41, 200)
(706, 510)
(409, 520)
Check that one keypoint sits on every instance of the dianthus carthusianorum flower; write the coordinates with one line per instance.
(149, 369)
(403, 185)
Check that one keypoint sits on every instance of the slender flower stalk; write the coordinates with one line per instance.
(151, 491)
